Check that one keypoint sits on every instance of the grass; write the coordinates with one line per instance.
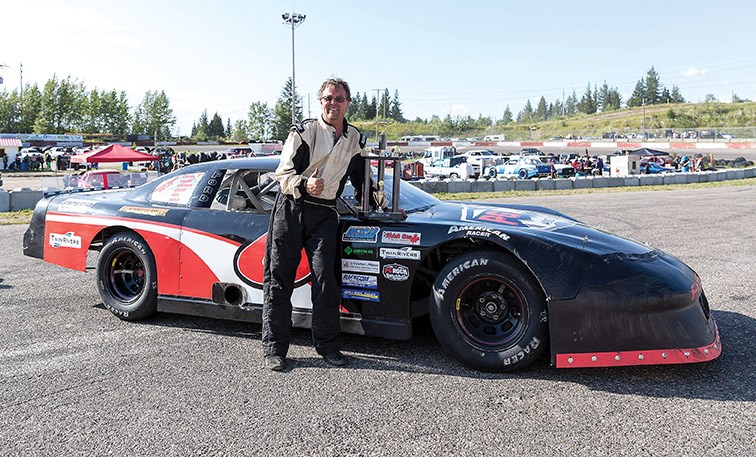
(24, 216)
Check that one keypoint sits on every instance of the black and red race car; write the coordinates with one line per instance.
(502, 283)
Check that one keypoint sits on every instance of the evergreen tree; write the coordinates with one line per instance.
(281, 120)
(587, 104)
(395, 111)
(526, 115)
(215, 129)
(201, 132)
(541, 110)
(229, 130)
(638, 96)
(240, 132)
(353, 107)
(653, 88)
(506, 118)
(570, 105)
(372, 109)
(675, 96)
(382, 109)
(362, 110)
(665, 96)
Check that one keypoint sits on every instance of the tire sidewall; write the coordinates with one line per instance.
(145, 304)
(449, 284)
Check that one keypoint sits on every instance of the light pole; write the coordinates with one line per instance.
(293, 19)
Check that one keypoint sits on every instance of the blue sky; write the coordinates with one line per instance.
(459, 58)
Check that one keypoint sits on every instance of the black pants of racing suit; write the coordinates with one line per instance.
(296, 224)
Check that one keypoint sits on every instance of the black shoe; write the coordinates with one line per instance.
(336, 358)
(275, 362)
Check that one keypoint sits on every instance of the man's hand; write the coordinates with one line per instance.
(314, 183)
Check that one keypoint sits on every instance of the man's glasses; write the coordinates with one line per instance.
(331, 98)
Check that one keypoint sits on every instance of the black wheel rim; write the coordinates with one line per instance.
(126, 275)
(491, 313)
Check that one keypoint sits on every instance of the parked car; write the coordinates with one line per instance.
(519, 167)
(500, 283)
(480, 159)
(453, 167)
(653, 167)
(96, 179)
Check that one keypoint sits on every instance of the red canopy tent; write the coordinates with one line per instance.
(113, 153)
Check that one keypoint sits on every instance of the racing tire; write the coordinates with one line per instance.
(523, 173)
(453, 176)
(489, 313)
(127, 277)
(492, 172)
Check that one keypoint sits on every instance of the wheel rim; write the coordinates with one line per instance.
(126, 275)
(491, 313)
(523, 174)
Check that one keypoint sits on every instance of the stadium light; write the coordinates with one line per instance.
(293, 19)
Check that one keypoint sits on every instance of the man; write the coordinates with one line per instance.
(317, 158)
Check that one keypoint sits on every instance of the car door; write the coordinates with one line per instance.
(223, 239)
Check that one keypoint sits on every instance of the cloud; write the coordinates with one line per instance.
(459, 110)
(692, 72)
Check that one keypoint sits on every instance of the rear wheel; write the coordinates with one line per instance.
(127, 277)
(489, 313)
(453, 176)
(492, 172)
(523, 173)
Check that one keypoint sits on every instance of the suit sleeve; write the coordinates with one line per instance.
(289, 174)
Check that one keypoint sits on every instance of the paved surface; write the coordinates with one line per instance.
(77, 381)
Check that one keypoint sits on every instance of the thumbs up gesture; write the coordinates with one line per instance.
(315, 184)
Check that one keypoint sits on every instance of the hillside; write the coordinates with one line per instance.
(737, 120)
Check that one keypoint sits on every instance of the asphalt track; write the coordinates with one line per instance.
(77, 381)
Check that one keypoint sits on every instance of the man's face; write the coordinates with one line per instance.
(334, 103)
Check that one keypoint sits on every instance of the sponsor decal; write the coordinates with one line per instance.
(349, 250)
(145, 211)
(73, 205)
(532, 346)
(395, 272)
(399, 253)
(361, 266)
(514, 218)
(356, 234)
(456, 272)
(477, 231)
(65, 240)
(358, 294)
(411, 238)
(358, 280)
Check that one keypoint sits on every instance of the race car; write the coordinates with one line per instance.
(502, 284)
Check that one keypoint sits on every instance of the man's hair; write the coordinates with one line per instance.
(336, 82)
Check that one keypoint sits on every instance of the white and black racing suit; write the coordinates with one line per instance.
(299, 220)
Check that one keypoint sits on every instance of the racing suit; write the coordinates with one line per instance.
(299, 220)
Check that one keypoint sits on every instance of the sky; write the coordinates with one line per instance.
(458, 58)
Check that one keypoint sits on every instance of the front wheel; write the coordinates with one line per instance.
(523, 173)
(492, 172)
(127, 277)
(489, 313)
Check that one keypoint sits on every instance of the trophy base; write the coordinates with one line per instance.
(382, 216)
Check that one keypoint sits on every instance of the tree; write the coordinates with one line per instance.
(353, 108)
(541, 110)
(395, 111)
(526, 115)
(736, 99)
(710, 98)
(228, 127)
(638, 97)
(506, 117)
(259, 123)
(570, 105)
(665, 96)
(383, 105)
(362, 109)
(201, 129)
(653, 87)
(676, 96)
(587, 104)
(154, 116)
(372, 109)
(215, 128)
(30, 108)
(61, 106)
(240, 132)
(282, 120)
(114, 115)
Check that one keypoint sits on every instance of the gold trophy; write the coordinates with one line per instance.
(380, 197)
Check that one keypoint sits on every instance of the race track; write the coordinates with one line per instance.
(78, 381)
